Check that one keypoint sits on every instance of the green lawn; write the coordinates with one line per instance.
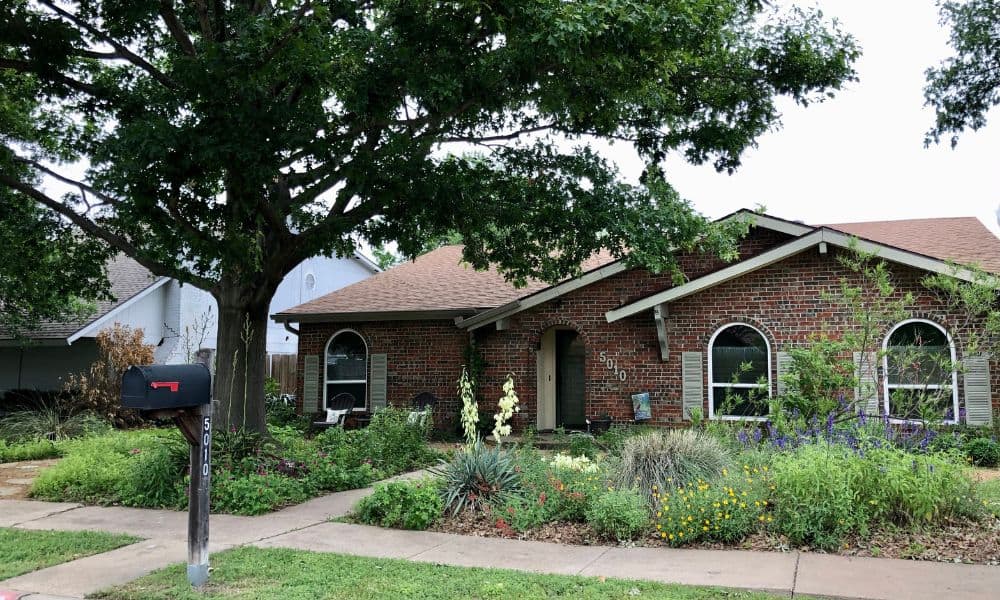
(23, 551)
(297, 574)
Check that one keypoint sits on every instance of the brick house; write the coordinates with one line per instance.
(584, 346)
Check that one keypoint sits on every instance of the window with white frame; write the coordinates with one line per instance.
(739, 373)
(919, 366)
(346, 369)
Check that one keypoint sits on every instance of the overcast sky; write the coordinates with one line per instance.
(859, 156)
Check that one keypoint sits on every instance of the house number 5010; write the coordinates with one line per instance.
(612, 365)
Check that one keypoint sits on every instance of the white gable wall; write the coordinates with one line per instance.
(199, 313)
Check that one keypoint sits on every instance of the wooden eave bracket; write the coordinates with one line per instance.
(660, 316)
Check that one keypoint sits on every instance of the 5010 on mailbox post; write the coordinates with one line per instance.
(183, 393)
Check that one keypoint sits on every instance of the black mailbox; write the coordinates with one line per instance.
(157, 387)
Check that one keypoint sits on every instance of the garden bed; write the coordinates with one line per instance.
(708, 490)
(251, 474)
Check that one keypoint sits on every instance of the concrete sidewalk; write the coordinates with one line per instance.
(306, 526)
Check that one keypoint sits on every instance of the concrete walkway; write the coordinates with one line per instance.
(306, 526)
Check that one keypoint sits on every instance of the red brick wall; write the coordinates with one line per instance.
(423, 356)
(785, 301)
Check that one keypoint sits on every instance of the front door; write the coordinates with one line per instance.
(570, 356)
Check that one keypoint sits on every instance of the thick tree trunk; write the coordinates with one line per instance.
(241, 362)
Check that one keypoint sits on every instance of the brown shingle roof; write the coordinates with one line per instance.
(437, 281)
(127, 278)
(961, 239)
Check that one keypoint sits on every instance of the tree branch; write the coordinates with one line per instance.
(204, 22)
(113, 239)
(499, 138)
(23, 66)
(175, 27)
(127, 54)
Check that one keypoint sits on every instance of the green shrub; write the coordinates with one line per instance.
(619, 514)
(823, 493)
(95, 467)
(724, 511)
(402, 504)
(30, 450)
(478, 476)
(50, 423)
(254, 494)
(152, 476)
(548, 493)
(666, 459)
(982, 452)
(394, 444)
(612, 440)
(582, 445)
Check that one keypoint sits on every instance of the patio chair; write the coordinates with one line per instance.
(337, 409)
(421, 405)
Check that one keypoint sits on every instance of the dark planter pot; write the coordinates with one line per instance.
(600, 425)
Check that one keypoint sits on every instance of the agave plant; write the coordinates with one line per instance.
(478, 476)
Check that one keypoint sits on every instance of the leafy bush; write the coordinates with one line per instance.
(550, 491)
(153, 475)
(33, 450)
(582, 445)
(666, 459)
(253, 493)
(823, 493)
(724, 511)
(982, 452)
(99, 388)
(50, 422)
(394, 444)
(619, 514)
(477, 476)
(95, 468)
(402, 504)
(612, 440)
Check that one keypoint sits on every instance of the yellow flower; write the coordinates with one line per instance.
(658, 526)
(663, 535)
(704, 528)
(760, 518)
(659, 514)
(671, 536)
(770, 518)
(680, 533)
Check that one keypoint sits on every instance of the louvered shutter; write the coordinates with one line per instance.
(380, 371)
(310, 384)
(866, 394)
(784, 366)
(693, 392)
(978, 397)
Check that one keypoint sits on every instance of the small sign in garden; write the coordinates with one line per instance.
(641, 407)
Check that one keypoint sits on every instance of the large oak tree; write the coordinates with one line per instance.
(966, 85)
(224, 141)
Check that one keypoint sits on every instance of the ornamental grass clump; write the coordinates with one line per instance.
(667, 459)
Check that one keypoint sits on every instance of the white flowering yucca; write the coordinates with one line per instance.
(580, 464)
(508, 406)
(470, 408)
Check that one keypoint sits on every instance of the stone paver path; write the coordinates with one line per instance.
(16, 478)
(307, 526)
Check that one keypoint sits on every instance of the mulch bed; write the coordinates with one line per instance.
(975, 543)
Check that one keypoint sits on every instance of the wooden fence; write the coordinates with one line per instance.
(282, 368)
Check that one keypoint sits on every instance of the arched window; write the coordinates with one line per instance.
(920, 378)
(346, 368)
(739, 373)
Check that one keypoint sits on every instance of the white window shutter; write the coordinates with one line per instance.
(866, 393)
(310, 384)
(380, 371)
(978, 396)
(784, 366)
(693, 391)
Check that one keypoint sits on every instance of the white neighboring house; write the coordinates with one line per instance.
(177, 319)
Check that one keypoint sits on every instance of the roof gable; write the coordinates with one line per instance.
(820, 237)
